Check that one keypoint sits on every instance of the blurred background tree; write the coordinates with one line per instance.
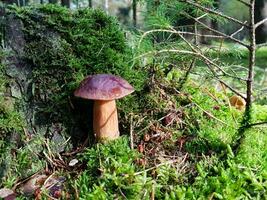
(131, 13)
(259, 15)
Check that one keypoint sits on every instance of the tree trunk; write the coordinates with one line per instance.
(65, 3)
(214, 23)
(11, 2)
(134, 13)
(52, 1)
(252, 55)
(90, 3)
(260, 34)
(106, 5)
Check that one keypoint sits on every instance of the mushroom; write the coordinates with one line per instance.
(237, 102)
(104, 89)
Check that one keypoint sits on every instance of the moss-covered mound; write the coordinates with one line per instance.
(59, 48)
(49, 50)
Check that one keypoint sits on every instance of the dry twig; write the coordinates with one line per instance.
(162, 164)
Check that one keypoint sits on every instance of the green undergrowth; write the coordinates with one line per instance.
(210, 170)
(191, 127)
(110, 172)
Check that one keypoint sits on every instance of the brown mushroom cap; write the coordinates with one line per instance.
(103, 87)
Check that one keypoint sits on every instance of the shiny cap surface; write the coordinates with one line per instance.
(103, 87)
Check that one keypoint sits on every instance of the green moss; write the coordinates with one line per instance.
(63, 47)
(110, 172)
(10, 120)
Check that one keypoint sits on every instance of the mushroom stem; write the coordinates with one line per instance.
(105, 120)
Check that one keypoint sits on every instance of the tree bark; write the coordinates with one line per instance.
(252, 55)
(260, 33)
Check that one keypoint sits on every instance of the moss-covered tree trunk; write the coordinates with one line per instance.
(48, 57)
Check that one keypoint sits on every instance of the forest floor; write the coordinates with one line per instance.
(178, 137)
(178, 147)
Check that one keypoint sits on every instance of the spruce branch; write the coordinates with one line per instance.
(195, 51)
(209, 63)
(199, 52)
(223, 82)
(208, 10)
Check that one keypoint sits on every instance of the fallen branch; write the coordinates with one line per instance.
(209, 114)
(131, 132)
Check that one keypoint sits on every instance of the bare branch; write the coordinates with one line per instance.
(245, 3)
(200, 54)
(208, 62)
(215, 12)
(224, 72)
(261, 45)
(260, 23)
(239, 30)
(256, 124)
(176, 32)
(224, 83)
(201, 35)
(166, 51)
(218, 32)
(195, 51)
(202, 16)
